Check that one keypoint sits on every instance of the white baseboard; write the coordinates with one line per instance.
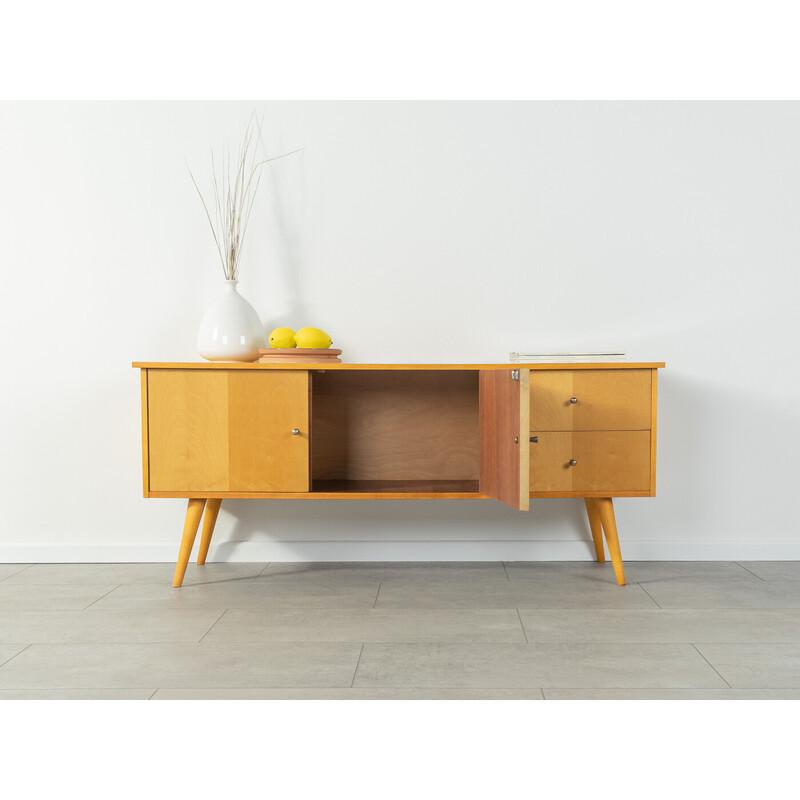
(571, 550)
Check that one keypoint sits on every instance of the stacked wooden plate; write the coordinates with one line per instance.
(299, 355)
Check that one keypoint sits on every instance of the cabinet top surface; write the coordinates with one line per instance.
(332, 367)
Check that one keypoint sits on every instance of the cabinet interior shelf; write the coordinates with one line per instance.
(384, 487)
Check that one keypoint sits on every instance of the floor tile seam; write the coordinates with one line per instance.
(702, 655)
(358, 662)
(593, 609)
(14, 574)
(739, 564)
(213, 625)
(656, 689)
(402, 687)
(529, 644)
(202, 687)
(328, 608)
(255, 607)
(347, 688)
(658, 605)
(512, 687)
(393, 607)
(91, 611)
(730, 608)
(455, 643)
(142, 642)
(390, 607)
(524, 608)
(8, 660)
(102, 596)
(661, 610)
(659, 642)
(359, 640)
(522, 625)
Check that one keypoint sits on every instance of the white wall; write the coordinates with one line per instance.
(411, 232)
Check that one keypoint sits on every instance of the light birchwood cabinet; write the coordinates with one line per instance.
(367, 431)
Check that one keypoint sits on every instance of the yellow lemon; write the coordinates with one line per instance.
(313, 338)
(282, 337)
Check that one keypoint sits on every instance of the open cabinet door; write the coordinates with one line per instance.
(504, 436)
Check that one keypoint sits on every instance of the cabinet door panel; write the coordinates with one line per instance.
(264, 408)
(606, 461)
(613, 399)
(503, 430)
(228, 430)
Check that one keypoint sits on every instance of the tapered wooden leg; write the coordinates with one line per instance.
(193, 514)
(596, 527)
(209, 520)
(606, 509)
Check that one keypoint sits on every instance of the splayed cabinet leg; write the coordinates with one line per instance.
(193, 514)
(596, 528)
(209, 520)
(606, 508)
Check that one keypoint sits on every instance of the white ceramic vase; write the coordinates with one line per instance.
(231, 329)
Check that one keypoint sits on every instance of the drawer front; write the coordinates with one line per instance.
(606, 461)
(607, 399)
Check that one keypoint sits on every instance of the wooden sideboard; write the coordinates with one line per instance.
(510, 432)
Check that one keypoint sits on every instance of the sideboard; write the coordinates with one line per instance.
(510, 432)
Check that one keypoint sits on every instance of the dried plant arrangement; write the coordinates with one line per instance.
(235, 191)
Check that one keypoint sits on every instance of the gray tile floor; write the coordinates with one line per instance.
(522, 630)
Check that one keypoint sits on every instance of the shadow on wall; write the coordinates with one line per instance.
(284, 230)
(728, 440)
(459, 522)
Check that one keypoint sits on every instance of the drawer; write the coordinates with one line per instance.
(606, 461)
(605, 399)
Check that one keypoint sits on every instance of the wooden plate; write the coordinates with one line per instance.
(299, 355)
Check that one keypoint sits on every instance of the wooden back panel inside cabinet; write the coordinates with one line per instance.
(395, 425)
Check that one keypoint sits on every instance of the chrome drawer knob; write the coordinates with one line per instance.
(573, 400)
(295, 431)
(573, 462)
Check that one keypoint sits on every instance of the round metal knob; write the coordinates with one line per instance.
(573, 462)
(295, 431)
(573, 400)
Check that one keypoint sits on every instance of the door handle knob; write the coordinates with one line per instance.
(295, 431)
(573, 462)
(573, 400)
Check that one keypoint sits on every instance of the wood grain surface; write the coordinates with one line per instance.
(607, 461)
(504, 437)
(606, 400)
(228, 431)
(395, 426)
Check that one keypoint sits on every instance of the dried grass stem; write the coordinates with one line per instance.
(234, 195)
